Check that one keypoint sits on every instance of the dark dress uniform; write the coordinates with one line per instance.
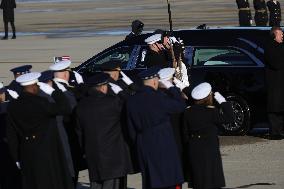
(154, 58)
(274, 83)
(72, 129)
(10, 177)
(150, 129)
(204, 158)
(106, 149)
(34, 141)
(274, 13)
(244, 12)
(8, 7)
(261, 16)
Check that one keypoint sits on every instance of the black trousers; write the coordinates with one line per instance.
(276, 121)
(107, 184)
(6, 28)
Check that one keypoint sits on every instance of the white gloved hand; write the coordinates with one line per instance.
(166, 83)
(126, 79)
(18, 165)
(116, 89)
(45, 88)
(13, 94)
(173, 40)
(79, 78)
(179, 84)
(219, 98)
(250, 22)
(60, 86)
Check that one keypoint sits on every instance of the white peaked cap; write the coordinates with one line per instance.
(1, 85)
(28, 78)
(60, 65)
(166, 73)
(153, 39)
(201, 91)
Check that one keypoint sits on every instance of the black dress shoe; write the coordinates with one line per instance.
(275, 137)
(4, 38)
(13, 37)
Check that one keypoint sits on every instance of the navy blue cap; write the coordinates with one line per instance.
(149, 73)
(98, 79)
(21, 69)
(46, 76)
(112, 65)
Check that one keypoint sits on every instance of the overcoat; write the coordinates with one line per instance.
(261, 16)
(15, 87)
(9, 173)
(150, 129)
(274, 13)
(154, 58)
(106, 149)
(203, 153)
(274, 68)
(34, 141)
(8, 10)
(72, 129)
(244, 12)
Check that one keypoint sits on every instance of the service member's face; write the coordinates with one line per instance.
(278, 36)
(2, 97)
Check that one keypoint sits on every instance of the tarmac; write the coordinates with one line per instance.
(251, 162)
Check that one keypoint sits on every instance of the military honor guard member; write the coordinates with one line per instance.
(8, 7)
(47, 77)
(99, 116)
(274, 69)
(274, 12)
(137, 28)
(155, 55)
(245, 18)
(201, 122)
(150, 129)
(14, 88)
(261, 16)
(10, 177)
(34, 142)
(62, 71)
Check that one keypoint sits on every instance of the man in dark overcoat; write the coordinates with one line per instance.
(261, 16)
(33, 141)
(10, 177)
(148, 113)
(8, 7)
(62, 75)
(245, 18)
(274, 68)
(106, 149)
(274, 12)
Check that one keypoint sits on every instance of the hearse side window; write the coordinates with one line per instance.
(121, 53)
(221, 57)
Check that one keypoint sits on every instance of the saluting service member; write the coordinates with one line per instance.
(245, 18)
(99, 116)
(137, 28)
(61, 71)
(10, 177)
(150, 129)
(201, 122)
(155, 55)
(274, 12)
(34, 142)
(8, 7)
(261, 16)
(274, 69)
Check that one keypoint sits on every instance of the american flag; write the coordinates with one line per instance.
(56, 59)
